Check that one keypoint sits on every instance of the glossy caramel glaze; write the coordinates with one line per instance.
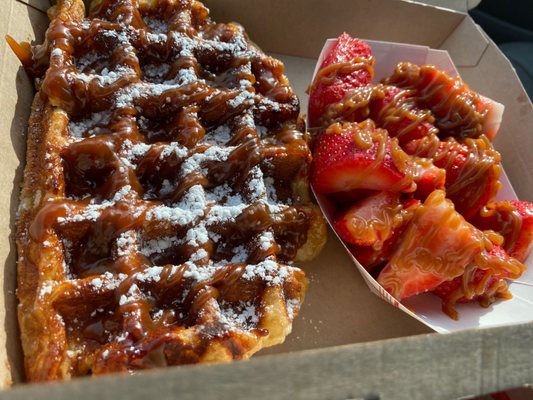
(459, 111)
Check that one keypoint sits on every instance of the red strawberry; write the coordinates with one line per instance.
(522, 245)
(458, 111)
(427, 177)
(397, 112)
(370, 221)
(514, 221)
(436, 246)
(378, 253)
(348, 65)
(359, 156)
(483, 282)
(472, 169)
(369, 257)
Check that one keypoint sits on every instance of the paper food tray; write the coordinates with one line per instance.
(427, 308)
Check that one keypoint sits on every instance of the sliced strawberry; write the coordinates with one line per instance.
(427, 177)
(472, 169)
(514, 221)
(369, 257)
(359, 156)
(436, 246)
(459, 111)
(522, 245)
(398, 112)
(348, 65)
(372, 256)
(371, 220)
(483, 280)
(477, 283)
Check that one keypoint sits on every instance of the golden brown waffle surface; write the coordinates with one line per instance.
(165, 193)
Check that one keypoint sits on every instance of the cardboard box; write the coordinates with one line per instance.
(346, 343)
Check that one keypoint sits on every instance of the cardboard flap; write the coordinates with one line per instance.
(312, 21)
(466, 55)
(459, 365)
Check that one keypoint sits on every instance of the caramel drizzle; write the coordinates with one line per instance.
(356, 106)
(494, 268)
(450, 99)
(480, 159)
(508, 219)
(402, 107)
(328, 74)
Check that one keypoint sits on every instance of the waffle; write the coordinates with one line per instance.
(165, 193)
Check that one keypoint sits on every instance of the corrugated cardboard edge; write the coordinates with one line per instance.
(409, 368)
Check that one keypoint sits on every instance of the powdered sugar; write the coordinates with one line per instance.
(197, 273)
(266, 240)
(132, 152)
(156, 25)
(213, 153)
(293, 306)
(243, 315)
(200, 254)
(107, 281)
(133, 294)
(240, 255)
(197, 236)
(269, 271)
(152, 274)
(125, 242)
(245, 98)
(174, 148)
(107, 77)
(93, 210)
(89, 126)
(57, 52)
(156, 246)
(154, 71)
(219, 136)
(186, 211)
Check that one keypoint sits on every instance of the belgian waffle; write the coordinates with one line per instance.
(165, 193)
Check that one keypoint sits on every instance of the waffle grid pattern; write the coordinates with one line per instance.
(174, 198)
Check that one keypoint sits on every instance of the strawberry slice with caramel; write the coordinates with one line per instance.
(359, 156)
(459, 111)
(384, 227)
(514, 221)
(427, 177)
(483, 281)
(396, 110)
(436, 246)
(472, 169)
(348, 65)
(370, 221)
